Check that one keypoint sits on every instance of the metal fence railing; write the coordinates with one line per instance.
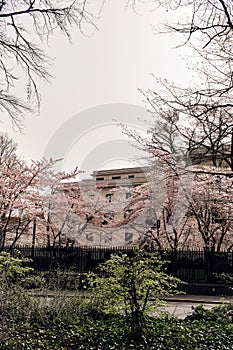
(189, 265)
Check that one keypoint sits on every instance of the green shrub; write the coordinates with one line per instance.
(63, 280)
(107, 321)
(113, 332)
(221, 313)
(132, 285)
(13, 269)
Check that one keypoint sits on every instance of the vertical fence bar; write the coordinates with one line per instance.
(189, 265)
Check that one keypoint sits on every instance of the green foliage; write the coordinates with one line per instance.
(221, 313)
(225, 277)
(113, 319)
(50, 329)
(13, 269)
(132, 285)
(63, 280)
(32, 281)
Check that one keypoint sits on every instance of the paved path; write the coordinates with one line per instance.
(199, 298)
(177, 305)
(183, 309)
(181, 305)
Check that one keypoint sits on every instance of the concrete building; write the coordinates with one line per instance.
(119, 178)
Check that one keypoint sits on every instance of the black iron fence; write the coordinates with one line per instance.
(189, 265)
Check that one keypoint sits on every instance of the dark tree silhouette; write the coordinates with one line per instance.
(25, 26)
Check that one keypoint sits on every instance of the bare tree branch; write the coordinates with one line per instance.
(23, 27)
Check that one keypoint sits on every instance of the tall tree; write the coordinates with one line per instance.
(211, 211)
(204, 105)
(197, 209)
(19, 195)
(25, 26)
(23, 190)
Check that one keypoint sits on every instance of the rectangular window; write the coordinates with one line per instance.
(89, 237)
(131, 176)
(216, 218)
(128, 237)
(127, 213)
(107, 218)
(109, 197)
(108, 238)
(99, 178)
(116, 177)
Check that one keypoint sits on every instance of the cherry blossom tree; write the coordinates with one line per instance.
(192, 182)
(18, 197)
(99, 219)
(163, 228)
(208, 222)
(203, 107)
(23, 189)
(211, 210)
(79, 212)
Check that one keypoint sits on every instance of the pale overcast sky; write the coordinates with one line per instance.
(101, 69)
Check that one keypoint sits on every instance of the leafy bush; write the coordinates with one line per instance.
(63, 279)
(221, 313)
(132, 284)
(13, 269)
(225, 277)
(113, 332)
(84, 322)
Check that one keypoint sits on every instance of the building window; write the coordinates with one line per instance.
(169, 218)
(128, 195)
(108, 238)
(127, 213)
(107, 218)
(216, 218)
(99, 178)
(131, 176)
(89, 237)
(116, 177)
(128, 237)
(109, 197)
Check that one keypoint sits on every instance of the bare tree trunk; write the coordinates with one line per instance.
(33, 238)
